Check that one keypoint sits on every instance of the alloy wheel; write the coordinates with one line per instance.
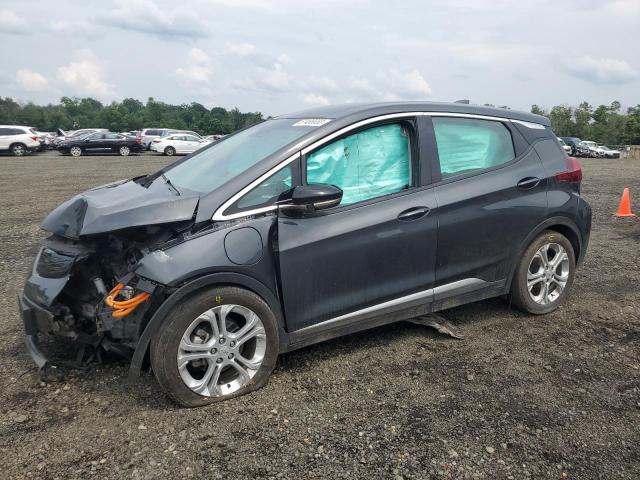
(75, 151)
(548, 273)
(124, 150)
(18, 150)
(221, 350)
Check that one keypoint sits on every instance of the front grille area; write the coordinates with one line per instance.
(52, 264)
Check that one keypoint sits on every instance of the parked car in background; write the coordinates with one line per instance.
(578, 148)
(178, 143)
(188, 132)
(609, 152)
(75, 134)
(594, 149)
(274, 239)
(18, 140)
(565, 147)
(100, 142)
(214, 138)
(148, 134)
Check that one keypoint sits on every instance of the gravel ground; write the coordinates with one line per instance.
(556, 396)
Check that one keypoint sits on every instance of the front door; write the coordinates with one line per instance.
(374, 253)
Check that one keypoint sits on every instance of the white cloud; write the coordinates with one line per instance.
(362, 87)
(284, 59)
(31, 81)
(243, 49)
(84, 75)
(146, 16)
(12, 23)
(196, 55)
(320, 84)
(315, 99)
(196, 74)
(409, 84)
(599, 70)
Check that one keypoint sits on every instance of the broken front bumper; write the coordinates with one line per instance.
(36, 320)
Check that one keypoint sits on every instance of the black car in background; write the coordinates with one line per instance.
(307, 227)
(100, 142)
(578, 148)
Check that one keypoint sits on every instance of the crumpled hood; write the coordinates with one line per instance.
(119, 205)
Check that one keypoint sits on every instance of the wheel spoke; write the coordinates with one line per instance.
(558, 259)
(209, 382)
(250, 364)
(222, 322)
(242, 372)
(534, 278)
(252, 321)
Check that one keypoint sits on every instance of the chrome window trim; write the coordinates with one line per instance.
(219, 214)
(535, 126)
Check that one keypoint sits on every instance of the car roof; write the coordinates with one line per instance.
(14, 126)
(349, 109)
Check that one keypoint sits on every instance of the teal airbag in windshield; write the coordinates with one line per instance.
(368, 164)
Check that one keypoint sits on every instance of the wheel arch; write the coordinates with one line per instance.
(18, 143)
(141, 353)
(563, 225)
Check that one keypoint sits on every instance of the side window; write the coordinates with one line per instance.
(466, 145)
(368, 164)
(266, 193)
(4, 131)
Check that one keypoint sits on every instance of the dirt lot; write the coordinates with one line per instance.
(520, 397)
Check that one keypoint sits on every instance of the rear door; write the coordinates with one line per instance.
(191, 143)
(374, 254)
(491, 193)
(5, 138)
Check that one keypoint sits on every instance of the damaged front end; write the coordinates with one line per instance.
(83, 287)
(86, 291)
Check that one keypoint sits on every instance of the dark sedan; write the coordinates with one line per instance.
(100, 142)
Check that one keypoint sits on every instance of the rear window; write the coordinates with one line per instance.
(469, 145)
(152, 132)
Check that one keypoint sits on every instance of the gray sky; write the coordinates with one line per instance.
(281, 55)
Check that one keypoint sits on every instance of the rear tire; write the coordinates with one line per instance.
(170, 151)
(18, 149)
(75, 151)
(193, 319)
(124, 151)
(545, 274)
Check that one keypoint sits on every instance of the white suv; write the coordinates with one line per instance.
(18, 140)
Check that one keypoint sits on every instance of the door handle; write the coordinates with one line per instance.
(413, 214)
(528, 183)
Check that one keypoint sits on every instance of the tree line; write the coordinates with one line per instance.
(603, 124)
(129, 114)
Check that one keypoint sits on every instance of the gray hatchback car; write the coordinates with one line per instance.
(303, 228)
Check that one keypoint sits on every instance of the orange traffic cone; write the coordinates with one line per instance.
(624, 210)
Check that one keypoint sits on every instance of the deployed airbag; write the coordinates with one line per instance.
(365, 165)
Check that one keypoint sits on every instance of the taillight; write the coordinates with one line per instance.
(573, 173)
(138, 140)
(34, 138)
(156, 140)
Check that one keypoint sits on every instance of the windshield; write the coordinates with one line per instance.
(213, 167)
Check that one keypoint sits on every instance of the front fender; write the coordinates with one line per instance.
(228, 278)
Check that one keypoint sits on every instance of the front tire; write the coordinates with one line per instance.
(18, 150)
(170, 151)
(545, 274)
(216, 344)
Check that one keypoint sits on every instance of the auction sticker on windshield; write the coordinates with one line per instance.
(311, 122)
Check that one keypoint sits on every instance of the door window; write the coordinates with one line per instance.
(266, 193)
(467, 145)
(365, 165)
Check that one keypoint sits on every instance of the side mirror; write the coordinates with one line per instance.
(305, 198)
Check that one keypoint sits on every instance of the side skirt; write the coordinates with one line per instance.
(427, 301)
